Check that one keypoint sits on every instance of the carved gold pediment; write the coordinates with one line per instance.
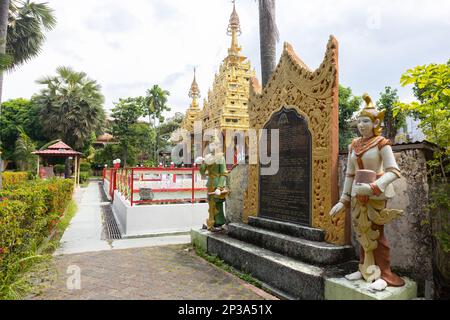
(314, 94)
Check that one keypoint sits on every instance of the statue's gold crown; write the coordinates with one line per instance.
(371, 112)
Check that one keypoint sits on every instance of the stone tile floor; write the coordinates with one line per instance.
(166, 272)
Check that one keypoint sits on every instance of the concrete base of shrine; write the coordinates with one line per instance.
(199, 239)
(343, 289)
(290, 267)
(144, 220)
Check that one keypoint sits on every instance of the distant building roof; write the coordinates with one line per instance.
(106, 137)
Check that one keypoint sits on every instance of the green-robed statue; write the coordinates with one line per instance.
(214, 165)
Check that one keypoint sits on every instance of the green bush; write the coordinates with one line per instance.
(28, 213)
(84, 177)
(10, 179)
(85, 167)
(58, 169)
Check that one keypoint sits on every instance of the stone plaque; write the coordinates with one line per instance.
(286, 196)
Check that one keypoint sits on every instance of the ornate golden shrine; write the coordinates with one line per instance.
(315, 95)
(194, 110)
(227, 103)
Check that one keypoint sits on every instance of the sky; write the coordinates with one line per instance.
(128, 46)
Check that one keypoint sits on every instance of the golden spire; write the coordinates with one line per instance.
(234, 30)
(194, 92)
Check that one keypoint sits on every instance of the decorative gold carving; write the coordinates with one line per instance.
(314, 94)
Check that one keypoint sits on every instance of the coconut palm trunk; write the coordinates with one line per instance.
(4, 13)
(268, 34)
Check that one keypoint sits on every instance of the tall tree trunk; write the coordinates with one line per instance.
(156, 142)
(268, 36)
(4, 13)
(125, 158)
(150, 153)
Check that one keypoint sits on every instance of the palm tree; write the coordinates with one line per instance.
(22, 26)
(268, 37)
(23, 151)
(156, 104)
(27, 23)
(71, 107)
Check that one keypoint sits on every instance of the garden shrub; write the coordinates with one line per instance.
(10, 178)
(84, 176)
(85, 167)
(58, 169)
(28, 212)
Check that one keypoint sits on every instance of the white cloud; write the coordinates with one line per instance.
(129, 46)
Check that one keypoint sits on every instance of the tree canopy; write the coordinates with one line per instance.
(387, 103)
(131, 135)
(348, 105)
(71, 107)
(16, 114)
(431, 86)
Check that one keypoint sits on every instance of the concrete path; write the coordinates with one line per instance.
(84, 233)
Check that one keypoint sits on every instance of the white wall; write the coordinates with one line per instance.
(106, 188)
(155, 219)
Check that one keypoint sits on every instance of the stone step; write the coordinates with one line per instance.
(288, 228)
(313, 252)
(298, 279)
(292, 277)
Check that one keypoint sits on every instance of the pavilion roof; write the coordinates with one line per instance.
(58, 149)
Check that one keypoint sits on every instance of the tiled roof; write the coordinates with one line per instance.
(58, 149)
(57, 152)
(60, 145)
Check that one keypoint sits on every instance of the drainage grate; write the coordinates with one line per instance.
(111, 229)
(103, 196)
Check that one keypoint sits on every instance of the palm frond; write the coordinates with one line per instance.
(26, 25)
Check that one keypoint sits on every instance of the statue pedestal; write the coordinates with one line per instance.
(343, 289)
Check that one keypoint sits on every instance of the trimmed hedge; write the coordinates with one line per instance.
(28, 212)
(13, 178)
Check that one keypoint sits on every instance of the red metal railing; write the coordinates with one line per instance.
(168, 185)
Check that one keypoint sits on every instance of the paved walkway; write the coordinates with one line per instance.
(84, 233)
(90, 268)
(168, 272)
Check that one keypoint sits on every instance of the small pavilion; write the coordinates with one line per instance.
(61, 150)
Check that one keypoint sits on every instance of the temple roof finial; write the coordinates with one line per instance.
(234, 30)
(234, 24)
(194, 92)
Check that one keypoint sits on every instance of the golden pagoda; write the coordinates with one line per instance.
(194, 110)
(227, 103)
